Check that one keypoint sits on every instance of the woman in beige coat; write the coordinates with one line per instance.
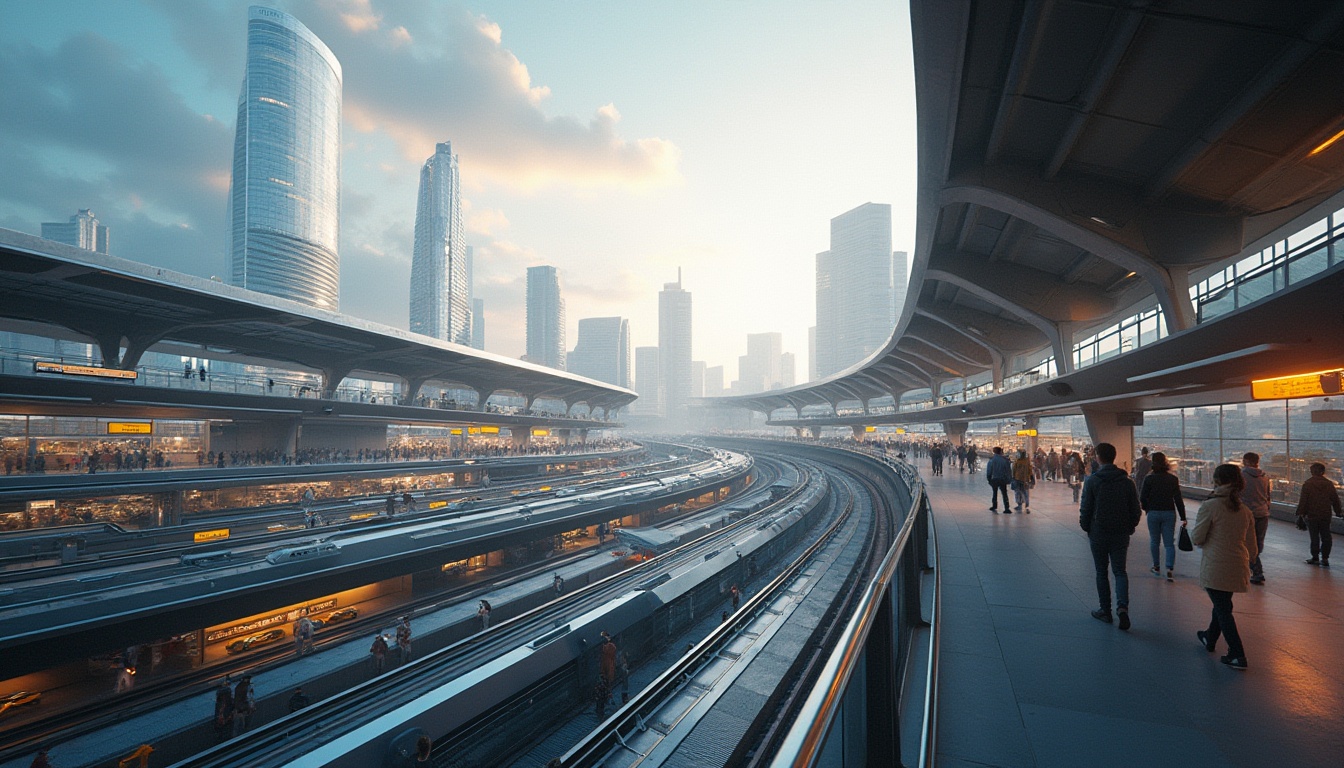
(1225, 528)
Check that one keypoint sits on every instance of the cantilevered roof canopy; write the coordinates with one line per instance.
(119, 303)
(1079, 160)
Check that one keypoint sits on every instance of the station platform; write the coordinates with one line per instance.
(1029, 678)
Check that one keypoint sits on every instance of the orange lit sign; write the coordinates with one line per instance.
(1302, 385)
(83, 370)
(870, 429)
(540, 432)
(1026, 433)
(130, 427)
(456, 431)
(218, 534)
(489, 430)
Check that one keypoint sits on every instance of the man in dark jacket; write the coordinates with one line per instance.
(1110, 513)
(1315, 502)
(999, 473)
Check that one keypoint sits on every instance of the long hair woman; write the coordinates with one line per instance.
(1225, 529)
(1161, 499)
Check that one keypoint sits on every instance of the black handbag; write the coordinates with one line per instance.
(1184, 543)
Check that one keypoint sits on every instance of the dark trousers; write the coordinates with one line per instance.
(1261, 526)
(996, 487)
(1111, 550)
(1321, 538)
(1222, 623)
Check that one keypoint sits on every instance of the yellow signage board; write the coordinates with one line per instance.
(541, 432)
(473, 430)
(130, 427)
(218, 534)
(870, 429)
(437, 504)
(41, 366)
(489, 430)
(900, 430)
(455, 431)
(1026, 433)
(1302, 385)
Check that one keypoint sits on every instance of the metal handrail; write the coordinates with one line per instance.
(802, 746)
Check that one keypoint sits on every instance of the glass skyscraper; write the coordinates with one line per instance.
(440, 269)
(855, 303)
(674, 349)
(545, 318)
(285, 202)
(82, 231)
(602, 351)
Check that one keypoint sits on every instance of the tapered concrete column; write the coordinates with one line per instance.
(859, 432)
(1104, 427)
(956, 431)
(816, 432)
(1031, 422)
(521, 436)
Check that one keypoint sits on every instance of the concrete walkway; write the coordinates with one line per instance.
(1028, 678)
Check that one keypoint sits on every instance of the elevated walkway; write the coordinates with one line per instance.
(1028, 678)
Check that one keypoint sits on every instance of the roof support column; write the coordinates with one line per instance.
(1177, 308)
(109, 347)
(1105, 427)
(410, 388)
(136, 346)
(332, 376)
(1062, 343)
(482, 395)
(956, 431)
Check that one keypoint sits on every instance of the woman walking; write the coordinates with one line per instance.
(1225, 528)
(1161, 499)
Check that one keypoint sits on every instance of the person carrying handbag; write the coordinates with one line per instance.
(1161, 500)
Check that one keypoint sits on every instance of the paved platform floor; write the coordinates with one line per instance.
(1029, 678)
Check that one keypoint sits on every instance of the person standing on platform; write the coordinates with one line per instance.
(223, 711)
(607, 659)
(379, 653)
(1110, 514)
(1257, 497)
(1023, 478)
(40, 760)
(390, 506)
(298, 700)
(999, 473)
(1073, 473)
(483, 613)
(558, 584)
(404, 639)
(936, 459)
(1315, 501)
(737, 597)
(1161, 498)
(1225, 529)
(244, 705)
(1142, 466)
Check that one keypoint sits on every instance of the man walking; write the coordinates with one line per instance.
(1256, 496)
(999, 473)
(1143, 466)
(1315, 502)
(1110, 513)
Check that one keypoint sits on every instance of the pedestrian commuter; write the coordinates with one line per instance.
(202, 371)
(607, 659)
(1110, 514)
(1074, 473)
(623, 675)
(244, 705)
(404, 639)
(298, 700)
(558, 584)
(391, 504)
(1142, 466)
(408, 501)
(999, 473)
(1314, 503)
(1225, 529)
(936, 459)
(483, 613)
(1023, 478)
(223, 711)
(1257, 497)
(40, 759)
(1160, 497)
(379, 653)
(972, 458)
(305, 635)
(601, 692)
(186, 370)
(125, 672)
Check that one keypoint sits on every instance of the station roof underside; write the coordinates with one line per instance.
(1080, 161)
(118, 303)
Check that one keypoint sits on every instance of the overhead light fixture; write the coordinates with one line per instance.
(966, 409)
(1131, 274)
(1326, 144)
(975, 330)
(1107, 223)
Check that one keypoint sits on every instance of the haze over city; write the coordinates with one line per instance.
(616, 143)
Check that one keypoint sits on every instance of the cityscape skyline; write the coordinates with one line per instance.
(613, 199)
(440, 289)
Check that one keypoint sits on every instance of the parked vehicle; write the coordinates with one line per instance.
(336, 616)
(252, 641)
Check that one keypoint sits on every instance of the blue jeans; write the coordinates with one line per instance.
(1162, 524)
(1113, 549)
(1022, 493)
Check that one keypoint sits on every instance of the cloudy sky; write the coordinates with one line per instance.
(614, 140)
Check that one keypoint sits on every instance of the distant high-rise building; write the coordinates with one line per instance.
(697, 378)
(758, 370)
(545, 318)
(714, 381)
(82, 231)
(648, 382)
(478, 323)
(440, 272)
(899, 282)
(788, 365)
(674, 348)
(854, 294)
(602, 351)
(285, 204)
(812, 351)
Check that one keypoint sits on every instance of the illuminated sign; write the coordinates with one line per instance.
(900, 430)
(83, 370)
(362, 515)
(1026, 433)
(437, 504)
(541, 432)
(456, 431)
(1302, 385)
(130, 427)
(870, 429)
(473, 430)
(489, 430)
(218, 534)
(224, 633)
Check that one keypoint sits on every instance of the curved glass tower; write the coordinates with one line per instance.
(440, 285)
(285, 203)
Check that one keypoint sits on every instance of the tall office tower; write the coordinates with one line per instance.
(854, 295)
(812, 354)
(788, 365)
(285, 203)
(545, 318)
(478, 323)
(899, 282)
(697, 378)
(714, 381)
(470, 263)
(440, 283)
(648, 382)
(674, 348)
(82, 231)
(758, 370)
(602, 351)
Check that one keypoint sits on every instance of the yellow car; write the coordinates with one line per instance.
(18, 699)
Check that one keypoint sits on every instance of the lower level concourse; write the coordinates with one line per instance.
(1028, 678)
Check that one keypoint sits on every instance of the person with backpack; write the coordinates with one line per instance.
(999, 473)
(1110, 514)
(379, 653)
(223, 711)
(244, 705)
(1023, 478)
